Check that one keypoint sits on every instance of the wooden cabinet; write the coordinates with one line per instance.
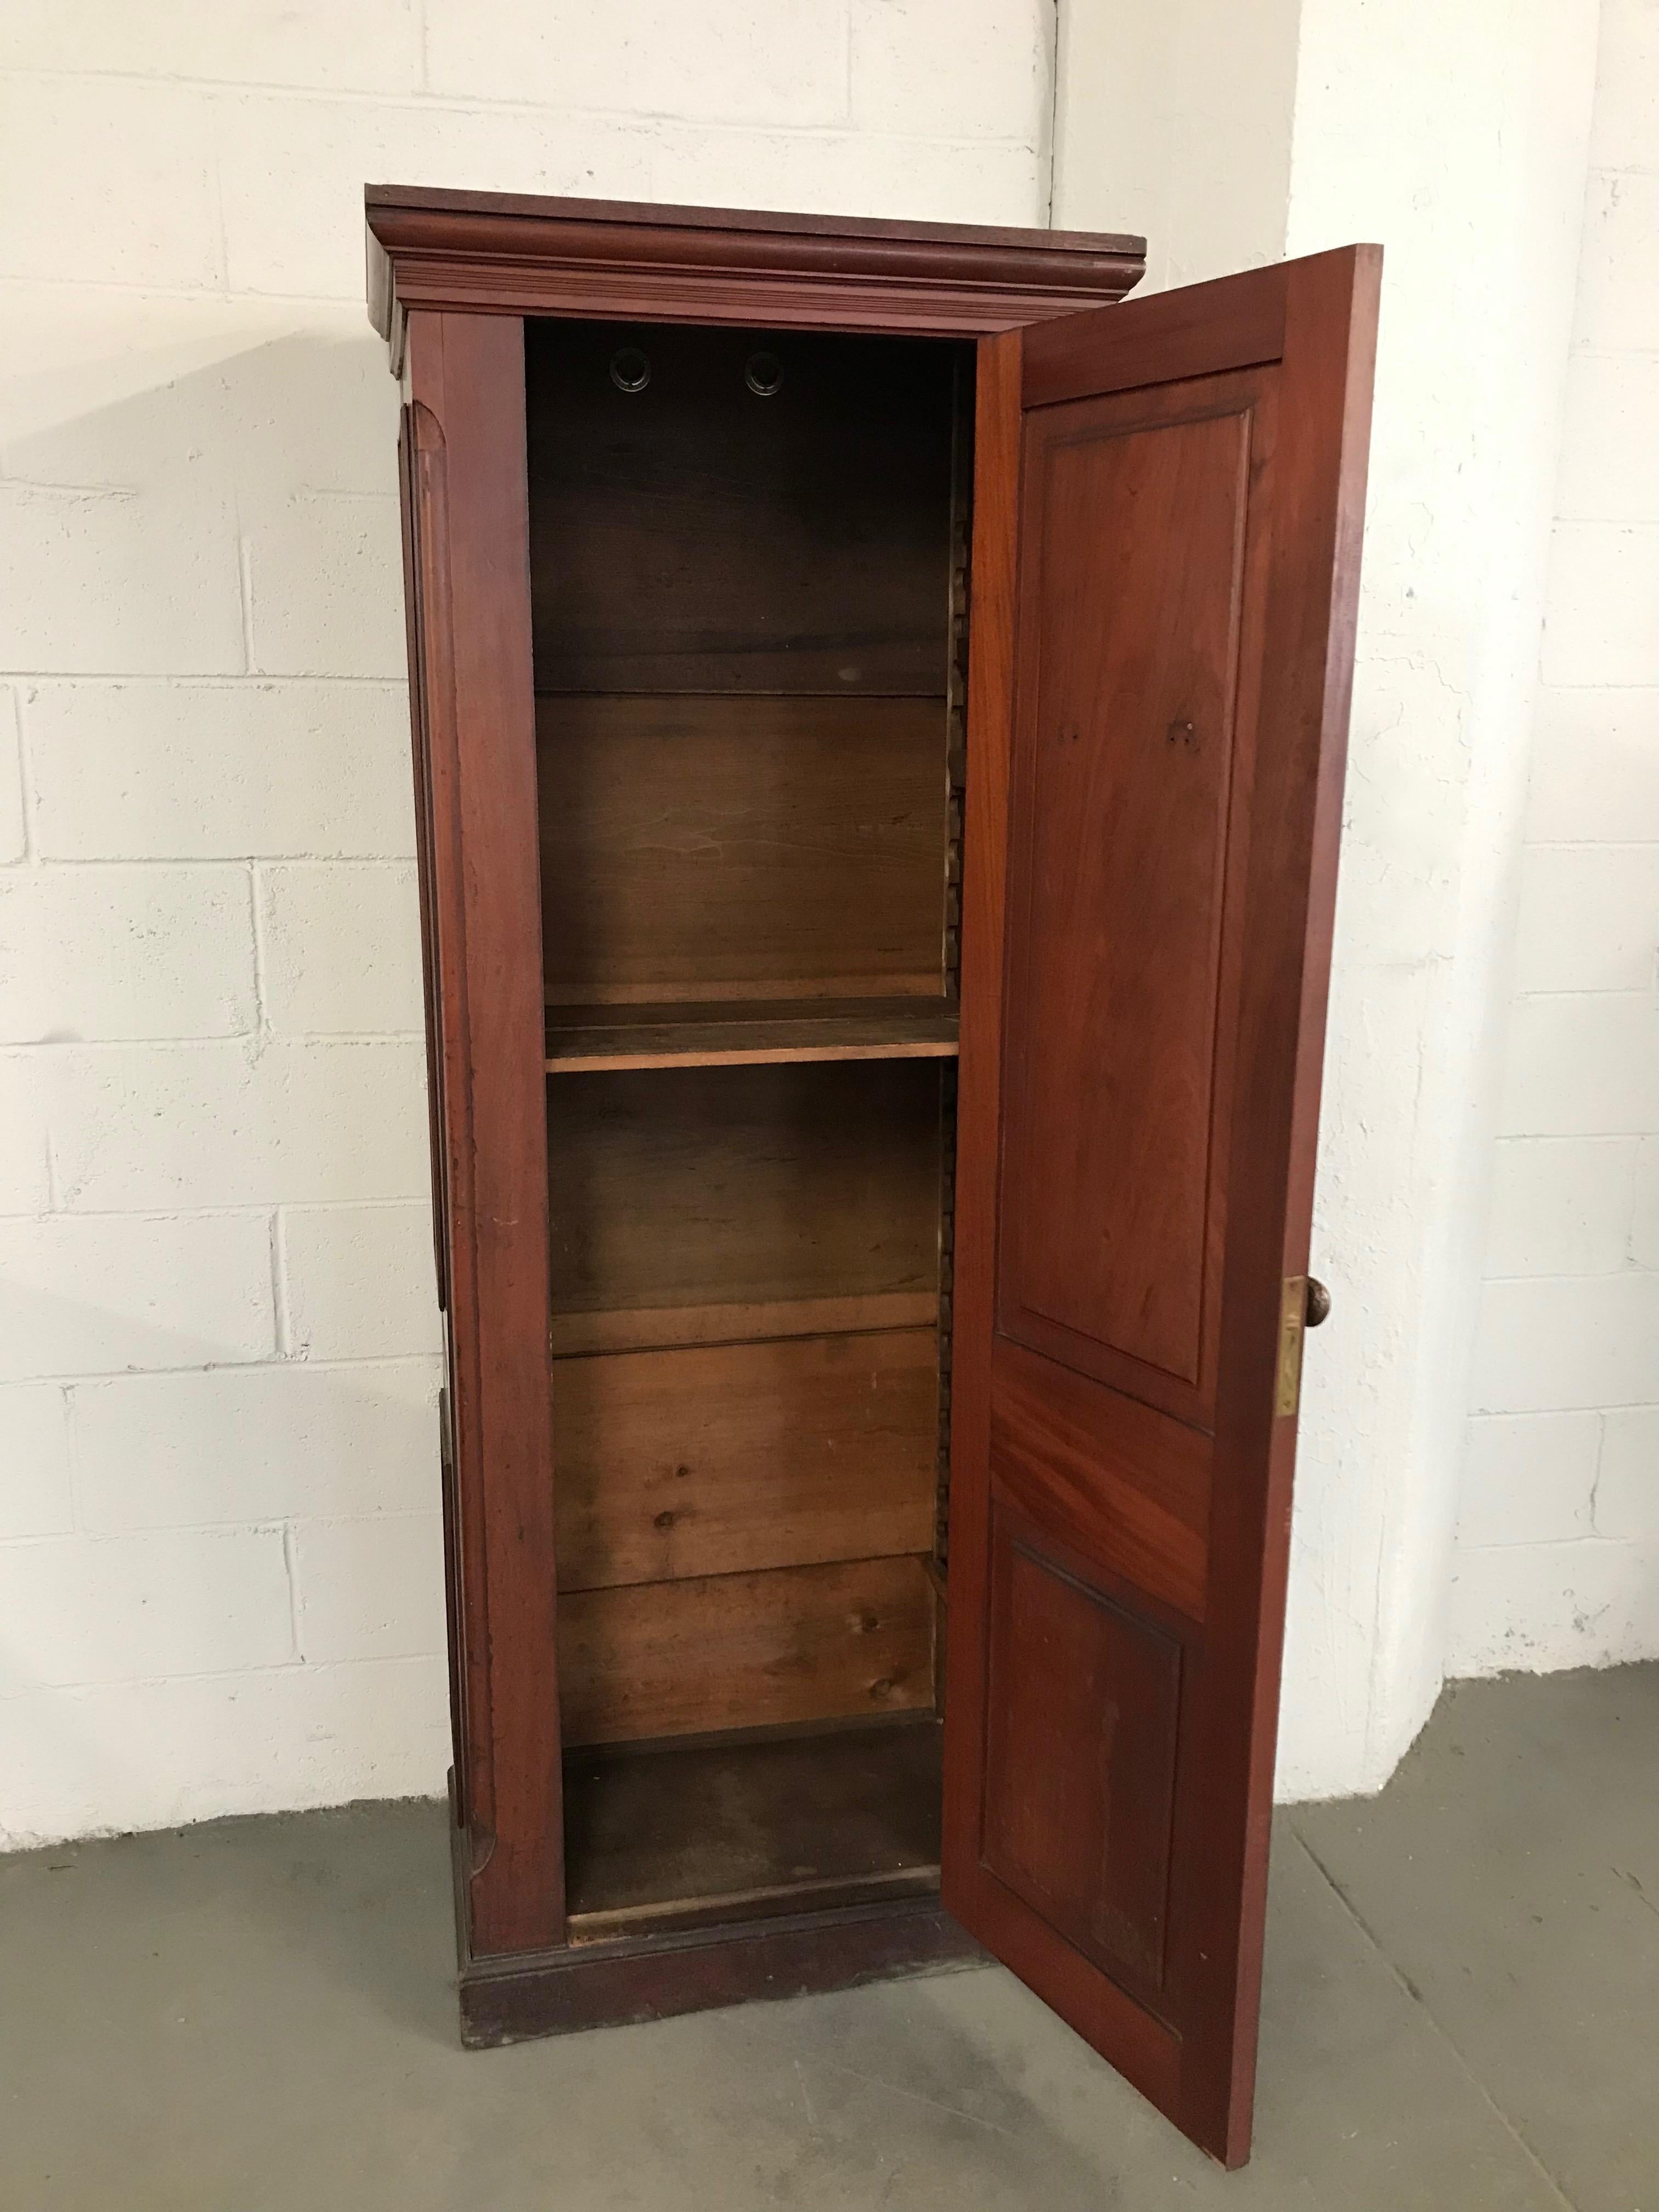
(879, 709)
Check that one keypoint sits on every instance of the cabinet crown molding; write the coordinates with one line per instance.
(507, 253)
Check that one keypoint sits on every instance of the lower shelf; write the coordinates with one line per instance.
(506, 1996)
(685, 1837)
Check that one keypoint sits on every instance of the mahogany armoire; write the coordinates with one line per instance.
(879, 709)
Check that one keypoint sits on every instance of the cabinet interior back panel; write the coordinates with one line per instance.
(695, 535)
(748, 847)
(741, 609)
(723, 1459)
(745, 1190)
(788, 1647)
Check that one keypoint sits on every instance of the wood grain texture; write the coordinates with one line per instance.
(468, 600)
(656, 1976)
(714, 848)
(678, 1837)
(695, 536)
(724, 1186)
(1219, 1897)
(1197, 329)
(1176, 1353)
(650, 216)
(507, 253)
(997, 432)
(1110, 1476)
(1123, 768)
(784, 1647)
(411, 506)
(754, 1321)
(1084, 1840)
(740, 1457)
(414, 642)
(466, 383)
(751, 1034)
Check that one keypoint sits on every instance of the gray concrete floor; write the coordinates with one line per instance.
(1461, 2013)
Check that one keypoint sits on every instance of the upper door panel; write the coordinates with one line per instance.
(1132, 788)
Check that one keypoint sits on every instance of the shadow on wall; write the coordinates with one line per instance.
(237, 518)
(214, 1236)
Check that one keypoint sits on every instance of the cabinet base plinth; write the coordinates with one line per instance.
(530, 1993)
(615, 1983)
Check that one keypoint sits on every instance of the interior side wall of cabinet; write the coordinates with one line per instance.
(749, 557)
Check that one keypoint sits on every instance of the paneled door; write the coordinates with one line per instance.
(1169, 498)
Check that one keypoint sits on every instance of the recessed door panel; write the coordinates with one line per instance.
(1083, 1839)
(1123, 766)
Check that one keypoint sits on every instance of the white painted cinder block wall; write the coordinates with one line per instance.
(219, 1563)
(220, 1578)
(1557, 1557)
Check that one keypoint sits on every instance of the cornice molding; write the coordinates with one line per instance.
(500, 254)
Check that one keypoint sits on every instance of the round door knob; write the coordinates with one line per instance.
(1319, 1302)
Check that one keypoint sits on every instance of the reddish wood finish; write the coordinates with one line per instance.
(1202, 329)
(612, 1984)
(1110, 1474)
(1177, 487)
(1325, 396)
(498, 252)
(1167, 503)
(417, 713)
(615, 1982)
(787, 1647)
(726, 1459)
(1118, 880)
(476, 713)
(718, 846)
(1073, 1672)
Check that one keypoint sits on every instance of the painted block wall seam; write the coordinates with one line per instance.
(218, 1389)
(1558, 1560)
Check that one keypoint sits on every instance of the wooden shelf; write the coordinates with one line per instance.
(655, 1328)
(583, 1040)
(661, 1840)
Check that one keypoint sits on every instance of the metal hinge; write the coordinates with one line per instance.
(1302, 1305)
(1292, 1320)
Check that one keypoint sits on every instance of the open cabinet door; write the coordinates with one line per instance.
(1169, 498)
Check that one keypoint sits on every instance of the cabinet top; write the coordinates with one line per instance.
(507, 253)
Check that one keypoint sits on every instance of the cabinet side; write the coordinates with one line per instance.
(475, 725)
(417, 713)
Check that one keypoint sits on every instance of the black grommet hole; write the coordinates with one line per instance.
(629, 369)
(763, 374)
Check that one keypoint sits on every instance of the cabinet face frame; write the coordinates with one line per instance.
(451, 277)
